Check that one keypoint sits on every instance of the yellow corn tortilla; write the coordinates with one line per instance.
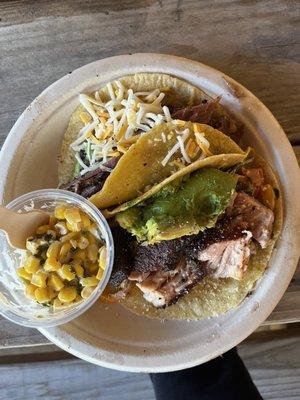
(141, 168)
(213, 296)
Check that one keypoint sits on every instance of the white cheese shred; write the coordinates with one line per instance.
(123, 115)
(181, 140)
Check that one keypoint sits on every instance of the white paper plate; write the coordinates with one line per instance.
(109, 335)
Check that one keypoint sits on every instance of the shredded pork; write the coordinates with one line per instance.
(91, 182)
(249, 214)
(211, 113)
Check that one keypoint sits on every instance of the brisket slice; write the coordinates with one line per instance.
(211, 113)
(91, 182)
(160, 256)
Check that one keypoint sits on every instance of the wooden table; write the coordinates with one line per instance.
(255, 42)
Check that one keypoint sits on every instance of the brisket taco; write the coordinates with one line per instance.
(194, 216)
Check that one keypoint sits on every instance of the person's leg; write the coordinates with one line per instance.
(224, 378)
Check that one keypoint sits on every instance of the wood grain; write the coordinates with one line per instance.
(274, 366)
(255, 42)
(71, 379)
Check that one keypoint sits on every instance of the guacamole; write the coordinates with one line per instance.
(183, 209)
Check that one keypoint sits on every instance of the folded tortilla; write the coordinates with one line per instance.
(140, 172)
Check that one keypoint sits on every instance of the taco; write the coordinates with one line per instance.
(111, 120)
(166, 152)
(204, 262)
(194, 216)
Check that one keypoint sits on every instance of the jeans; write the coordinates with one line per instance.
(224, 378)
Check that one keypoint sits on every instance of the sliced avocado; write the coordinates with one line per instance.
(181, 210)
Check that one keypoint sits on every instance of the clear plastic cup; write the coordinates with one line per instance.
(14, 305)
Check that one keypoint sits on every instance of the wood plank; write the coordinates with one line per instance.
(42, 41)
(274, 366)
(254, 42)
(71, 379)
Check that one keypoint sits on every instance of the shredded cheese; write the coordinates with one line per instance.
(181, 140)
(177, 146)
(189, 151)
(114, 124)
(203, 143)
(170, 154)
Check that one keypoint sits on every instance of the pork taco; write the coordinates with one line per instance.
(194, 216)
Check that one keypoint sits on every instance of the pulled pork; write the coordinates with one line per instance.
(91, 182)
(211, 113)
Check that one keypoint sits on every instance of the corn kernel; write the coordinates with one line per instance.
(57, 304)
(64, 251)
(51, 264)
(82, 242)
(67, 294)
(102, 257)
(32, 264)
(89, 281)
(99, 273)
(29, 291)
(61, 228)
(86, 222)
(22, 273)
(42, 295)
(79, 270)
(68, 237)
(93, 268)
(80, 255)
(39, 279)
(43, 229)
(53, 250)
(92, 252)
(74, 227)
(66, 273)
(72, 215)
(55, 283)
(59, 212)
(87, 291)
(91, 238)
